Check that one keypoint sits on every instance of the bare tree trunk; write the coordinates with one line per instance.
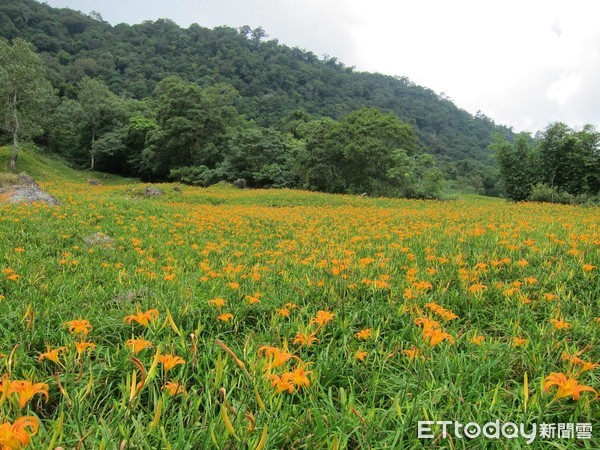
(15, 133)
(92, 149)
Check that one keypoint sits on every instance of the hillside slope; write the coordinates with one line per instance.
(273, 80)
(47, 168)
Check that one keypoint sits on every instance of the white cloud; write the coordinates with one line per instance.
(563, 89)
(556, 28)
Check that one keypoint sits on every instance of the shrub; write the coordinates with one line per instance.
(550, 194)
(193, 175)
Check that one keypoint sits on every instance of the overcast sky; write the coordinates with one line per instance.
(524, 63)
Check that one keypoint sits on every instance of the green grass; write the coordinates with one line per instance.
(7, 179)
(50, 168)
(374, 263)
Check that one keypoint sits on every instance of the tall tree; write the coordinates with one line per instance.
(569, 158)
(258, 155)
(23, 91)
(192, 123)
(589, 139)
(517, 165)
(63, 130)
(358, 153)
(100, 108)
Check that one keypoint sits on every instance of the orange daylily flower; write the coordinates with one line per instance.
(79, 326)
(363, 334)
(411, 353)
(305, 339)
(16, 435)
(477, 288)
(217, 302)
(52, 355)
(81, 347)
(520, 341)
(435, 336)
(478, 340)
(575, 359)
(137, 345)
(560, 324)
(252, 299)
(441, 311)
(281, 383)
(322, 318)
(143, 318)
(283, 312)
(277, 357)
(566, 386)
(174, 388)
(422, 285)
(226, 317)
(170, 361)
(289, 381)
(427, 323)
(25, 390)
(299, 377)
(361, 355)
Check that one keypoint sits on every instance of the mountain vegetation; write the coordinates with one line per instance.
(114, 87)
(561, 165)
(200, 105)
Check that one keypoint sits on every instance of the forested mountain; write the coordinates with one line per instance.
(275, 84)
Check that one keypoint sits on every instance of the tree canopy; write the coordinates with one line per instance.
(23, 92)
(561, 164)
(272, 80)
(198, 105)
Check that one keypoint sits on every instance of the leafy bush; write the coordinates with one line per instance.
(549, 194)
(587, 200)
(193, 175)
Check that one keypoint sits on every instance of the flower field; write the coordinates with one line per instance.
(225, 318)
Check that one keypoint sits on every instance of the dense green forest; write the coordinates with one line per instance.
(561, 165)
(161, 102)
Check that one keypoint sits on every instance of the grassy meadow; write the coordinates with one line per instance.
(226, 318)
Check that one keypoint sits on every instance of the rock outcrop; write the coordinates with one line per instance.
(26, 190)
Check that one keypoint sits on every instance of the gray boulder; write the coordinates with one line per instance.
(99, 239)
(153, 192)
(240, 183)
(26, 191)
